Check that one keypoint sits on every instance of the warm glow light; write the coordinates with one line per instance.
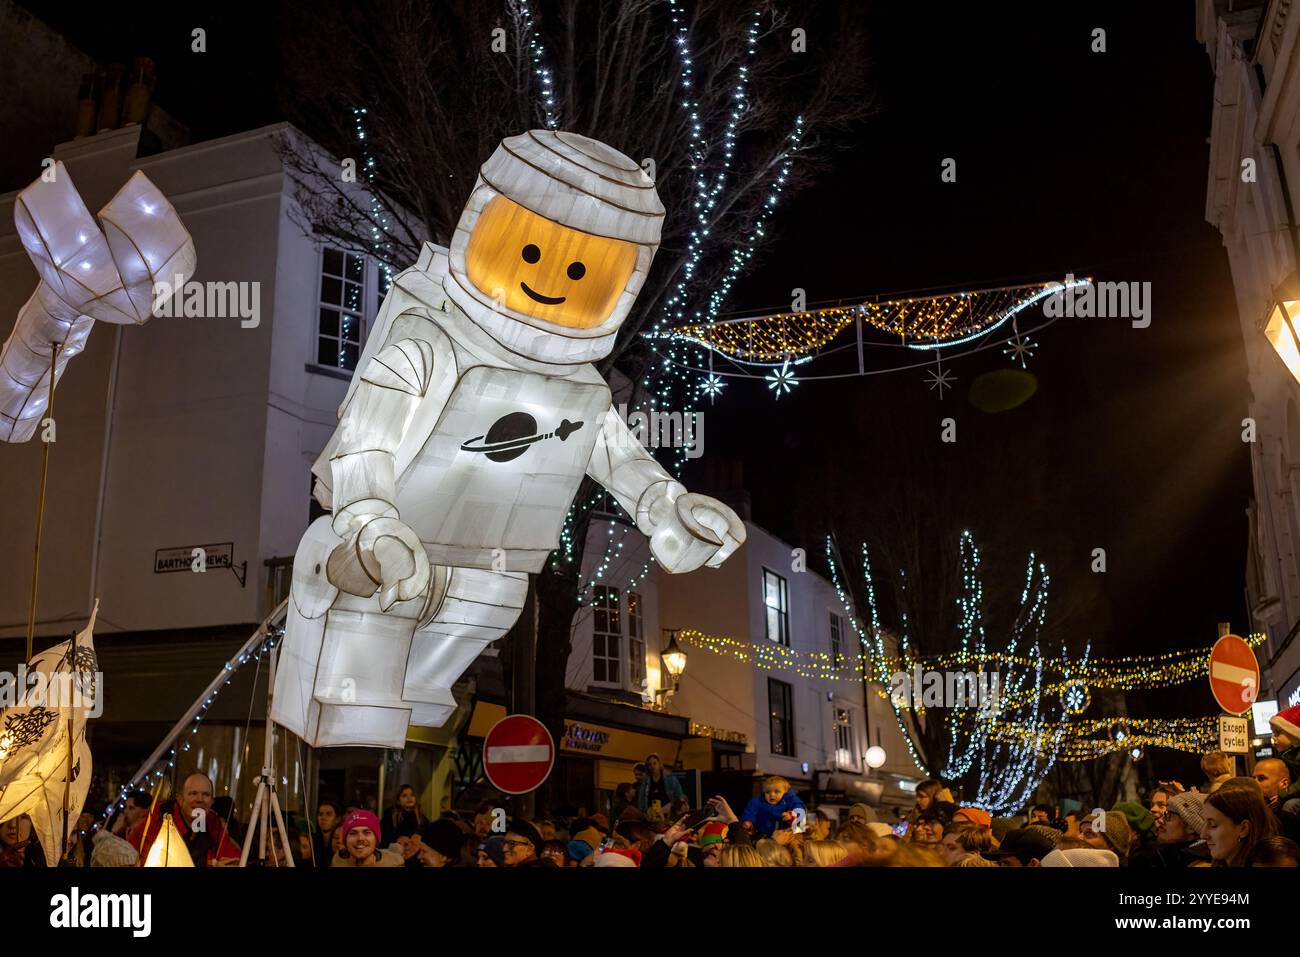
(1280, 338)
(674, 658)
(168, 848)
(875, 756)
(545, 270)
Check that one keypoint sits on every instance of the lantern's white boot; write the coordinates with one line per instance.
(464, 436)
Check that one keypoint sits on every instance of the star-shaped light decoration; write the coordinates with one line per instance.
(713, 386)
(1020, 348)
(938, 378)
(782, 380)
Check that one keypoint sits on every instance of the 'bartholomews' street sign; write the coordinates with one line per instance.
(193, 558)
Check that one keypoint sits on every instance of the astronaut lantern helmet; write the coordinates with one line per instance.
(554, 245)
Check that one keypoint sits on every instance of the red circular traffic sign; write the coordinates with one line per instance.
(518, 754)
(1234, 674)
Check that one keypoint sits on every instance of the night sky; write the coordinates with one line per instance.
(1067, 160)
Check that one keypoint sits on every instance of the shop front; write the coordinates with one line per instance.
(602, 743)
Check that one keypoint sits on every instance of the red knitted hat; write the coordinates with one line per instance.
(712, 833)
(1287, 721)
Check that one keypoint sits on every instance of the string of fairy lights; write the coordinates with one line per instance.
(667, 385)
(1088, 740)
(1074, 740)
(743, 253)
(916, 322)
(152, 778)
(537, 56)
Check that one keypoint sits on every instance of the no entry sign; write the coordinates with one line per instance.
(518, 754)
(1234, 674)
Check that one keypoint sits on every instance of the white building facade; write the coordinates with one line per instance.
(1252, 197)
(771, 670)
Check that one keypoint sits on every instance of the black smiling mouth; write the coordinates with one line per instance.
(544, 300)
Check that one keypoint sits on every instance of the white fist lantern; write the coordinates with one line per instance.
(87, 273)
(463, 438)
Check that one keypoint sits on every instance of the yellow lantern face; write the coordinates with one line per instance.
(544, 270)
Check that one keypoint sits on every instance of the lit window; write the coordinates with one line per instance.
(776, 598)
(780, 706)
(844, 749)
(342, 320)
(635, 641)
(606, 636)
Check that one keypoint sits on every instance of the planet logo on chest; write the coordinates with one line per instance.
(513, 434)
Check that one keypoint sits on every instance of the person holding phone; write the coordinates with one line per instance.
(657, 785)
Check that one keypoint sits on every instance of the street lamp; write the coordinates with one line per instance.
(1279, 326)
(674, 658)
(674, 662)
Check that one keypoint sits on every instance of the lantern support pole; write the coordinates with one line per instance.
(40, 507)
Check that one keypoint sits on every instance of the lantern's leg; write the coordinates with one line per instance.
(477, 608)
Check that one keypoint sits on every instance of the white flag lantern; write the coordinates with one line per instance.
(89, 270)
(472, 419)
(43, 752)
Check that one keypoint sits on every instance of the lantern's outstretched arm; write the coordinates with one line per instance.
(119, 269)
(686, 530)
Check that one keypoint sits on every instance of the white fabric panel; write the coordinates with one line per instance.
(86, 274)
(43, 743)
(479, 608)
(457, 494)
(578, 181)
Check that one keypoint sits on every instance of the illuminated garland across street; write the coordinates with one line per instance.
(1079, 740)
(919, 322)
(1128, 674)
(1086, 740)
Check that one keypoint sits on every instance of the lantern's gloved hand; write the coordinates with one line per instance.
(688, 530)
(382, 555)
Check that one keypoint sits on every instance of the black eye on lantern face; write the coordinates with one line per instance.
(577, 270)
(531, 253)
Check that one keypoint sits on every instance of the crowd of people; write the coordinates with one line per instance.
(1227, 821)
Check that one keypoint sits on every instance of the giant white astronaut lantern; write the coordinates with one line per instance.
(463, 439)
(87, 273)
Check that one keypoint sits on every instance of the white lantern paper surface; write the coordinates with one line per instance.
(168, 848)
(87, 273)
(43, 740)
(472, 419)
